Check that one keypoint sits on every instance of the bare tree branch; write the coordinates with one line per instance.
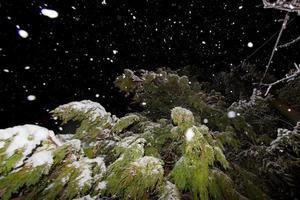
(286, 5)
(276, 44)
(287, 78)
(289, 43)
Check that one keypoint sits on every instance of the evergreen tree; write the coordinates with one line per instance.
(185, 144)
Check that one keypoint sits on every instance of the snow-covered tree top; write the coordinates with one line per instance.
(94, 109)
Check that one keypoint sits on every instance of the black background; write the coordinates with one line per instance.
(147, 34)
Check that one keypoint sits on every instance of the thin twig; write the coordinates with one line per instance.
(261, 46)
(287, 78)
(289, 43)
(275, 46)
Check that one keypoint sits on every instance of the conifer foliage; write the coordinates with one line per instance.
(184, 144)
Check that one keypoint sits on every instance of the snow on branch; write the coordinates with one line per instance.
(286, 5)
(288, 78)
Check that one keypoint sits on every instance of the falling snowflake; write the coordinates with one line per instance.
(31, 98)
(23, 33)
(250, 44)
(231, 114)
(49, 13)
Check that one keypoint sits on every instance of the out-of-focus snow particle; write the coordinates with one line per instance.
(115, 52)
(231, 114)
(189, 134)
(203, 42)
(250, 44)
(31, 97)
(291, 6)
(240, 7)
(6, 70)
(97, 95)
(144, 103)
(26, 67)
(49, 13)
(104, 2)
(205, 121)
(23, 33)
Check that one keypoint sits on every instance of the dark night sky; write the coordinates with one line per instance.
(77, 55)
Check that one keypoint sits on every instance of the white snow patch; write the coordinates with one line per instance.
(126, 142)
(170, 192)
(49, 186)
(65, 137)
(2, 144)
(86, 106)
(85, 177)
(145, 162)
(101, 185)
(23, 33)
(41, 158)
(75, 143)
(100, 162)
(189, 134)
(26, 137)
(49, 13)
(64, 180)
